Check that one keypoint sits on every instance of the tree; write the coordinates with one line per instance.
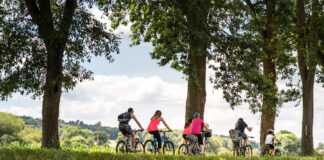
(10, 126)
(31, 135)
(74, 136)
(182, 33)
(290, 143)
(42, 46)
(308, 47)
(256, 52)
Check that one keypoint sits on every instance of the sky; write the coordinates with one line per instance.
(135, 80)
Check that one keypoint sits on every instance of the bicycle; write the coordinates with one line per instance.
(150, 146)
(124, 146)
(192, 146)
(268, 151)
(238, 148)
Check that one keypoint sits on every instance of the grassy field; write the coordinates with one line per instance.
(7, 153)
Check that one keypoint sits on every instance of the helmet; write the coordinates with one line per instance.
(270, 131)
(196, 115)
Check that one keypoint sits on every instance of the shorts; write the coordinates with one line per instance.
(126, 130)
(244, 136)
(271, 146)
(200, 139)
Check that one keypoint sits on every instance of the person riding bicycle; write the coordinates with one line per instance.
(196, 130)
(240, 127)
(153, 127)
(270, 139)
(187, 130)
(124, 126)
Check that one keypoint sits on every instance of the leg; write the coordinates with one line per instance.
(133, 140)
(156, 135)
(244, 136)
(201, 144)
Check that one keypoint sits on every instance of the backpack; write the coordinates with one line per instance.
(124, 117)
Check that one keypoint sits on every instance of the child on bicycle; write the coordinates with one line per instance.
(196, 130)
(270, 139)
(187, 130)
(153, 127)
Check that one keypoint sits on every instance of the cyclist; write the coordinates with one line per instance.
(196, 130)
(269, 141)
(153, 127)
(125, 128)
(240, 126)
(187, 130)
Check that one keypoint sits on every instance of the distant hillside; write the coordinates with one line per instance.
(37, 122)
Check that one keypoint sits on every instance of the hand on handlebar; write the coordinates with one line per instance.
(170, 130)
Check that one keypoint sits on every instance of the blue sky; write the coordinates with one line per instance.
(135, 80)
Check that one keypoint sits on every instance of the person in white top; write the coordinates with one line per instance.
(270, 139)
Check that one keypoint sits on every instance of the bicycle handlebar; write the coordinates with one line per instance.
(137, 130)
(164, 131)
(250, 137)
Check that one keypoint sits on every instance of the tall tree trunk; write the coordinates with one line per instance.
(268, 111)
(308, 116)
(51, 100)
(196, 96)
(307, 70)
(196, 12)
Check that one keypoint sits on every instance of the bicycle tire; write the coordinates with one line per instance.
(278, 152)
(183, 150)
(139, 147)
(168, 148)
(248, 151)
(149, 147)
(209, 148)
(121, 147)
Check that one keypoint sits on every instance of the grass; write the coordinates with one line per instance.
(20, 152)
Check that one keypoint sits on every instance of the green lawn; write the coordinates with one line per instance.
(52, 154)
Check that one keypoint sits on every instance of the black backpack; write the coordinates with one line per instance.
(124, 117)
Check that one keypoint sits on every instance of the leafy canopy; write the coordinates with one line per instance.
(23, 51)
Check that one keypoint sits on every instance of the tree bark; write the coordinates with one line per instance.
(307, 70)
(51, 99)
(196, 12)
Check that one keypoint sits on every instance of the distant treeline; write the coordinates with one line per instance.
(37, 123)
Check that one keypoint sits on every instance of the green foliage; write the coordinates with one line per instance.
(320, 149)
(10, 126)
(290, 143)
(31, 135)
(73, 136)
(239, 66)
(27, 37)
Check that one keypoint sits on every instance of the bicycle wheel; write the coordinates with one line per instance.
(139, 147)
(149, 147)
(248, 151)
(121, 147)
(278, 152)
(168, 148)
(209, 149)
(183, 149)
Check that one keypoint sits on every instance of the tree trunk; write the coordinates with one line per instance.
(51, 101)
(196, 97)
(196, 12)
(308, 116)
(268, 112)
(307, 71)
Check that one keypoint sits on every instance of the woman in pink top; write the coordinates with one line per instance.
(196, 130)
(153, 127)
(186, 130)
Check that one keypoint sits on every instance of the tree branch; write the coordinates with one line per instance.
(33, 10)
(65, 25)
(254, 15)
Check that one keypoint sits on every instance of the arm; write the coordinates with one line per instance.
(206, 127)
(166, 125)
(249, 128)
(277, 140)
(138, 123)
